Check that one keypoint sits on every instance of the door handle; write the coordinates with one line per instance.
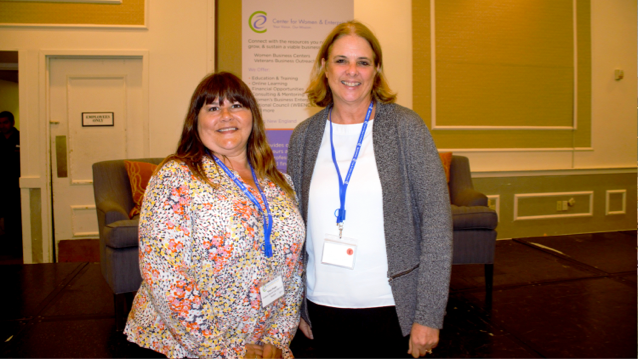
(60, 156)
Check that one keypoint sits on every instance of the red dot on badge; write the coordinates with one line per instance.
(350, 251)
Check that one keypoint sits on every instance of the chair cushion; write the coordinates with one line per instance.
(139, 173)
(475, 217)
(122, 234)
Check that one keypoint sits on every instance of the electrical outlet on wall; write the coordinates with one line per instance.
(563, 205)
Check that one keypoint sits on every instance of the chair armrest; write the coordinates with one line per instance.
(122, 234)
(112, 211)
(469, 197)
(473, 218)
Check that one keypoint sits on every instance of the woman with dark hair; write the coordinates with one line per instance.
(379, 238)
(220, 237)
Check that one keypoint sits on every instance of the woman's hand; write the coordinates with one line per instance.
(271, 351)
(305, 329)
(422, 340)
(254, 351)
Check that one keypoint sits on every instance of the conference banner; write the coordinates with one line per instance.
(280, 41)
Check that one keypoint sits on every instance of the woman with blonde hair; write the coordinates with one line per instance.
(374, 197)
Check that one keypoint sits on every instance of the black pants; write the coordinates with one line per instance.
(357, 333)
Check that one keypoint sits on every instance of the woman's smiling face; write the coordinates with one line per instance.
(350, 70)
(225, 127)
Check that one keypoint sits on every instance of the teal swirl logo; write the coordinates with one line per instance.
(257, 22)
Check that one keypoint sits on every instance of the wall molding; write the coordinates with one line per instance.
(528, 128)
(574, 125)
(500, 150)
(78, 26)
(77, 234)
(559, 172)
(32, 182)
(496, 199)
(518, 196)
(81, 182)
(608, 194)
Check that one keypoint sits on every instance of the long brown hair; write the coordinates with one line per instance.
(319, 92)
(191, 150)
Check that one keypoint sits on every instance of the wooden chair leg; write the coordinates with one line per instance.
(489, 281)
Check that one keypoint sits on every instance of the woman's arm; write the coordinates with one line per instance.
(283, 323)
(430, 195)
(295, 156)
(296, 161)
(165, 235)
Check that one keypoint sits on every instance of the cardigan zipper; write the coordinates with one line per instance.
(402, 273)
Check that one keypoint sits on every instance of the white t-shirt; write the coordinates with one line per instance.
(366, 285)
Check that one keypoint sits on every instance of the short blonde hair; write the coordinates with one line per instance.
(319, 93)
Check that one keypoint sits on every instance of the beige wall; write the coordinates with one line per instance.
(391, 22)
(614, 46)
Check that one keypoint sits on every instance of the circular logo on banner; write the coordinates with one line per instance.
(350, 251)
(257, 22)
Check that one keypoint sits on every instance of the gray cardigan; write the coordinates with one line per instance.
(416, 208)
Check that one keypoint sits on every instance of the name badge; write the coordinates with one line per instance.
(339, 253)
(271, 291)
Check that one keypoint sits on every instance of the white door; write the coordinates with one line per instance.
(96, 114)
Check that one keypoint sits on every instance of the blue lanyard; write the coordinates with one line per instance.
(267, 220)
(343, 186)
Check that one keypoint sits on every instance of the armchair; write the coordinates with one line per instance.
(473, 221)
(118, 233)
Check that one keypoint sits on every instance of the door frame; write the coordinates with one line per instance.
(44, 183)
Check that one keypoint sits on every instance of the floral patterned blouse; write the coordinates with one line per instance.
(202, 263)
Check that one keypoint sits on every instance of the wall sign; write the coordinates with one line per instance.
(91, 119)
(280, 41)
